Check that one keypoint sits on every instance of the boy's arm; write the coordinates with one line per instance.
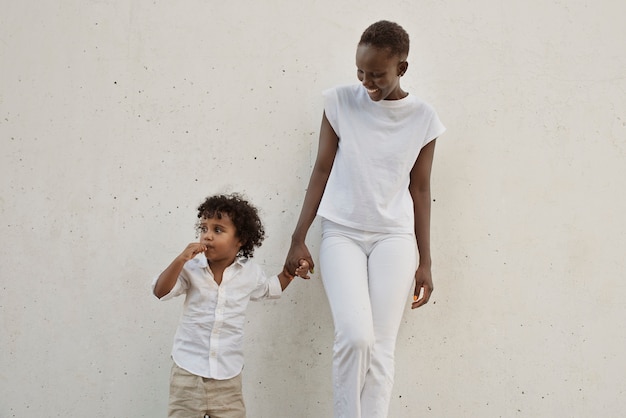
(268, 288)
(284, 278)
(167, 279)
(302, 271)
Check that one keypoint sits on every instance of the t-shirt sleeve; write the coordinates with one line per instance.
(331, 107)
(435, 128)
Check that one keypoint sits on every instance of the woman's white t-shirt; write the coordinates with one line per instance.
(368, 187)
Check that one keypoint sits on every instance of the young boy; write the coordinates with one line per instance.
(208, 346)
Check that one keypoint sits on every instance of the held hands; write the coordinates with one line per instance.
(303, 269)
(296, 258)
(286, 277)
(192, 250)
(423, 287)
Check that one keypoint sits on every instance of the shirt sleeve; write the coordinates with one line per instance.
(435, 128)
(331, 104)
(267, 288)
(178, 289)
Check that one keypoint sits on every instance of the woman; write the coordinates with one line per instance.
(371, 186)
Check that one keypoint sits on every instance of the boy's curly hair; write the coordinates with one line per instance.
(244, 216)
(384, 34)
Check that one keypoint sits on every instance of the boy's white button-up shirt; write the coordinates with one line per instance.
(209, 338)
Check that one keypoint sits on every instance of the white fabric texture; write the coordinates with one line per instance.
(209, 338)
(367, 277)
(368, 187)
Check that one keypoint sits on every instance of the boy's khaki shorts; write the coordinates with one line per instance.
(193, 396)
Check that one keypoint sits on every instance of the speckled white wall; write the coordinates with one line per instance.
(117, 118)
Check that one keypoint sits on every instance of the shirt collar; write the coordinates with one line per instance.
(203, 262)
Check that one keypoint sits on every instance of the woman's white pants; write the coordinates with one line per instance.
(367, 277)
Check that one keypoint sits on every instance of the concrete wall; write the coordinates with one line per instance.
(118, 117)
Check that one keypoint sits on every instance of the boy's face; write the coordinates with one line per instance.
(379, 70)
(220, 237)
